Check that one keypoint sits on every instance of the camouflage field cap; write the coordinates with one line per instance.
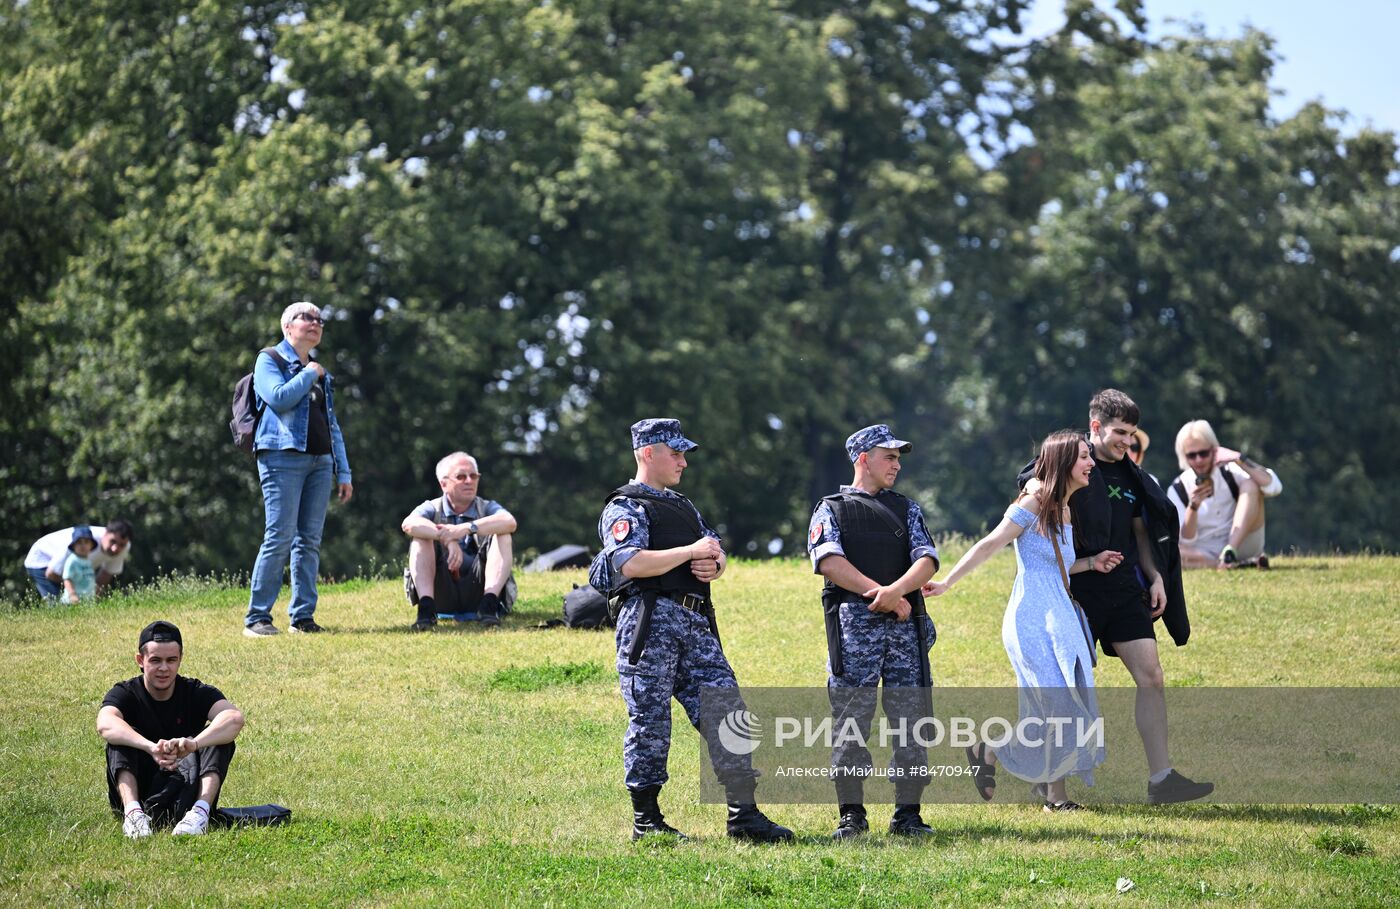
(877, 436)
(660, 431)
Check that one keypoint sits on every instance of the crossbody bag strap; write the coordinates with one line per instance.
(1060, 560)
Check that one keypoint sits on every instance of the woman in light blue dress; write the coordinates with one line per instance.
(1044, 632)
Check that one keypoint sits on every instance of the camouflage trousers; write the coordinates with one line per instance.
(876, 648)
(681, 659)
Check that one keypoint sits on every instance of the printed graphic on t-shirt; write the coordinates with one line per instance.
(1124, 504)
(1121, 493)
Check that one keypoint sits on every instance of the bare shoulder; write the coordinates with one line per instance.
(1029, 501)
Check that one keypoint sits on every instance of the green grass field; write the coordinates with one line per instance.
(483, 768)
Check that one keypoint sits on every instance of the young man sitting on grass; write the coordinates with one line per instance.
(169, 741)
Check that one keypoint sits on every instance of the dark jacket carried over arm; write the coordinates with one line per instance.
(1091, 514)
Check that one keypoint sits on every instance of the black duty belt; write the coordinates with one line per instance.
(695, 602)
(833, 597)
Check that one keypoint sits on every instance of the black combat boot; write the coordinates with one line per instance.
(746, 822)
(906, 822)
(646, 814)
(852, 823)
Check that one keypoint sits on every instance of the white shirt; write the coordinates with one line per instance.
(50, 552)
(1217, 513)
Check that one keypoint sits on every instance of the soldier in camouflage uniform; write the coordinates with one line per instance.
(661, 555)
(871, 545)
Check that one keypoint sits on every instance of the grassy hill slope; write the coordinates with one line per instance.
(483, 768)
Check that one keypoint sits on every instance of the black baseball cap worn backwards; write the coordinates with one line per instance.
(160, 632)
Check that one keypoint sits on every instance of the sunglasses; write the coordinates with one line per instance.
(307, 317)
(1197, 455)
(464, 477)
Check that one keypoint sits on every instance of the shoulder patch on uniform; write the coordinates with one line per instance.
(817, 530)
(620, 529)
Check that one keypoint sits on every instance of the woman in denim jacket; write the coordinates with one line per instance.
(300, 453)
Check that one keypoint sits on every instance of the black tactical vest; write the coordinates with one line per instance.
(671, 523)
(875, 536)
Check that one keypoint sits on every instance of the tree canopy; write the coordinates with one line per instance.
(532, 224)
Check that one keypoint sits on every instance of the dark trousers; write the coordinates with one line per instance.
(165, 794)
(464, 592)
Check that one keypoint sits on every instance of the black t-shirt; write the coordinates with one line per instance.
(182, 715)
(1125, 503)
(318, 427)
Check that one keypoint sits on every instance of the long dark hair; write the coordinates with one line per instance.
(1058, 454)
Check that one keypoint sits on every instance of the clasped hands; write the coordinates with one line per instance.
(886, 599)
(453, 533)
(447, 533)
(450, 533)
(170, 752)
(704, 555)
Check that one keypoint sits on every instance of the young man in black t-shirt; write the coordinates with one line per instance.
(169, 740)
(1119, 610)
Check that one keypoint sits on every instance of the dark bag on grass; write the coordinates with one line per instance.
(255, 816)
(585, 607)
(247, 408)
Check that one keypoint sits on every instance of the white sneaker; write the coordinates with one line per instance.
(136, 826)
(194, 823)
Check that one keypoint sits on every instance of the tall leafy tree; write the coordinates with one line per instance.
(1189, 249)
(533, 224)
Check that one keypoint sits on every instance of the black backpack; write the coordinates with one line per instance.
(585, 607)
(248, 408)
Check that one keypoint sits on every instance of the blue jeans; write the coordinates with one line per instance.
(296, 491)
(47, 589)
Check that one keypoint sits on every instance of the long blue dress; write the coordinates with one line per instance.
(1047, 644)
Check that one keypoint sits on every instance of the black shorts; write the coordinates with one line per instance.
(1117, 614)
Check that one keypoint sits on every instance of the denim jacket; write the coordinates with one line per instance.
(286, 392)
